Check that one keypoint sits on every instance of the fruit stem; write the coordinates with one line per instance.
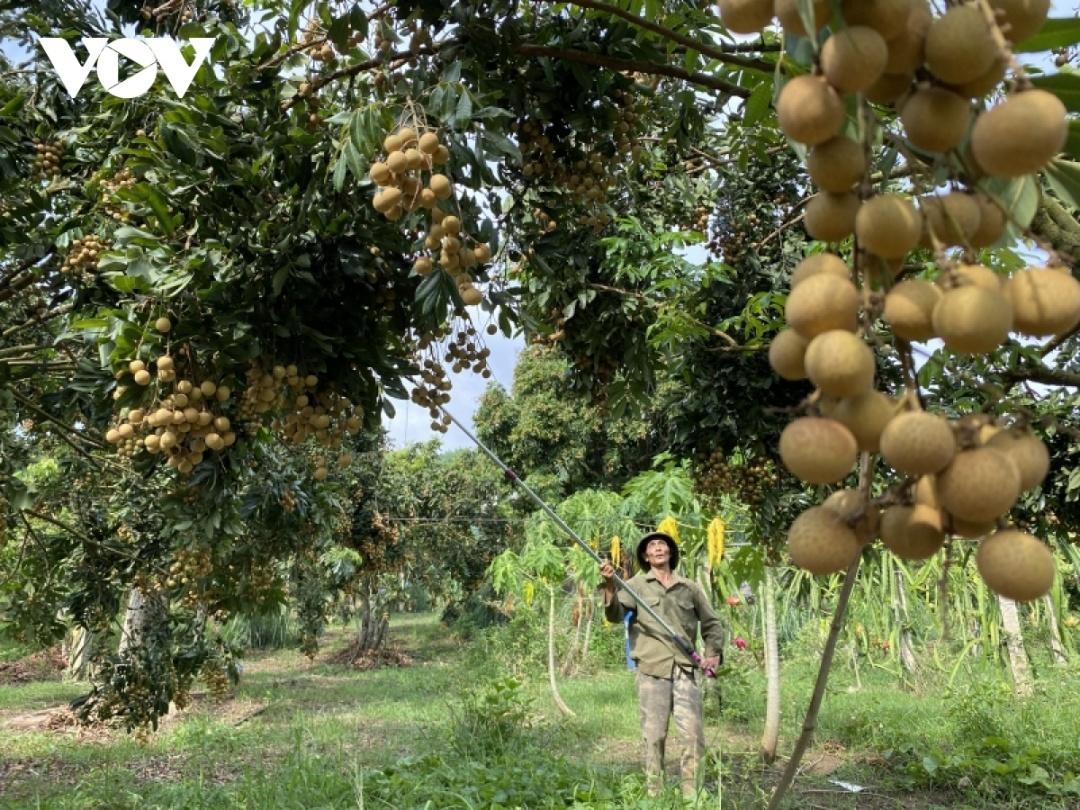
(1020, 77)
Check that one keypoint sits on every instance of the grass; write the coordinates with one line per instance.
(314, 735)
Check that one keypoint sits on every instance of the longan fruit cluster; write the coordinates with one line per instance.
(433, 390)
(189, 566)
(47, 158)
(964, 60)
(288, 500)
(961, 476)
(184, 10)
(82, 258)
(419, 36)
(401, 191)
(544, 220)
(749, 481)
(970, 472)
(586, 171)
(455, 257)
(701, 218)
(384, 40)
(322, 464)
(400, 175)
(300, 411)
(466, 353)
(113, 206)
(182, 425)
(216, 678)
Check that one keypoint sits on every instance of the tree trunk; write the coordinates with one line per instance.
(136, 620)
(1056, 645)
(771, 734)
(907, 648)
(551, 656)
(571, 653)
(1014, 643)
(381, 625)
(80, 648)
(810, 723)
(363, 618)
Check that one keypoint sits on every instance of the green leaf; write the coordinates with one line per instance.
(583, 74)
(280, 277)
(463, 113)
(341, 170)
(1018, 196)
(179, 143)
(1072, 141)
(757, 105)
(431, 295)
(159, 206)
(13, 106)
(357, 130)
(690, 61)
(1063, 177)
(90, 324)
(339, 31)
(1054, 34)
(1066, 86)
(355, 161)
(129, 234)
(500, 144)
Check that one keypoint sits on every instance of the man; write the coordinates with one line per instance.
(667, 681)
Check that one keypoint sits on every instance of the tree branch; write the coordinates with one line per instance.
(1053, 344)
(87, 540)
(630, 65)
(390, 60)
(1044, 375)
(38, 319)
(16, 284)
(27, 267)
(720, 54)
(26, 403)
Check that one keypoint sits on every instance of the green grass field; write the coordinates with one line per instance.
(297, 734)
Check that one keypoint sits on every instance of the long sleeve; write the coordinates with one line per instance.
(712, 631)
(614, 611)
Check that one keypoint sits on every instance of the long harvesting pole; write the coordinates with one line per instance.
(681, 641)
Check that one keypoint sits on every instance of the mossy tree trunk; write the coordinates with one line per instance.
(1014, 644)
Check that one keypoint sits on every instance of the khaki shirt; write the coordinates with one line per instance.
(683, 606)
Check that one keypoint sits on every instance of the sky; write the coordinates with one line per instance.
(413, 423)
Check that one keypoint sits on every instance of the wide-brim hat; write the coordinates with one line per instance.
(644, 541)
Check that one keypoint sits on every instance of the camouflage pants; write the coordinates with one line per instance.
(659, 699)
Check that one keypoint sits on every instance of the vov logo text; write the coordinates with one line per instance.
(148, 53)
